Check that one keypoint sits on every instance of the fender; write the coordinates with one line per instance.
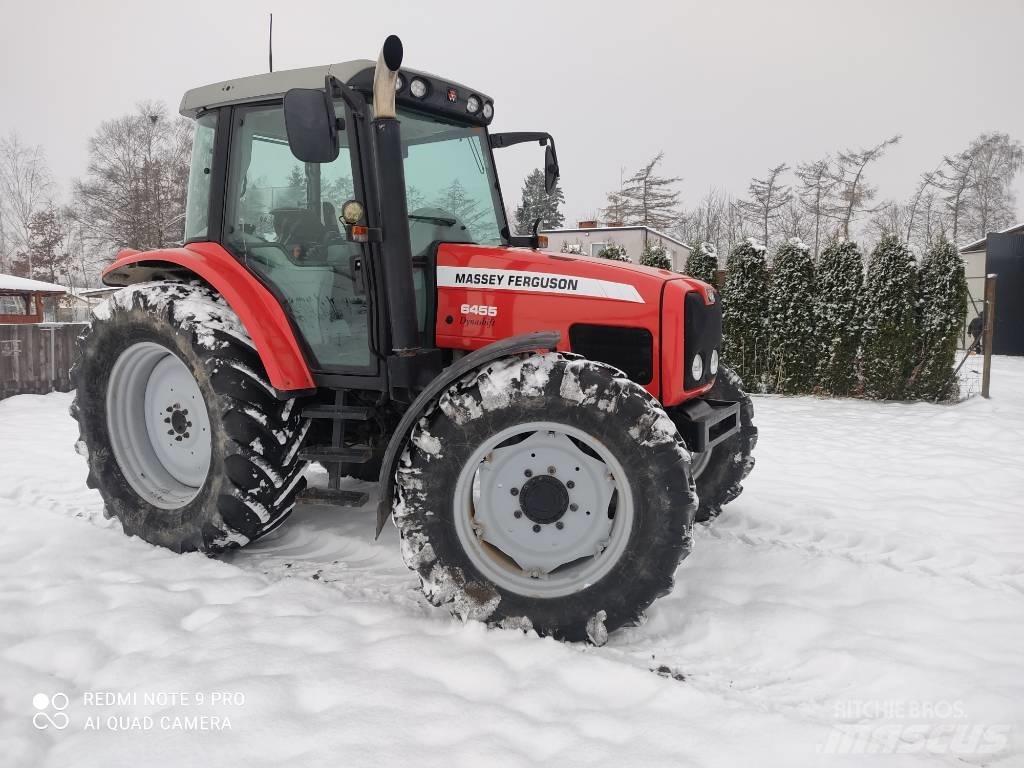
(260, 313)
(526, 342)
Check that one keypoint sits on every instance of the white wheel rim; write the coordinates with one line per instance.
(549, 555)
(158, 425)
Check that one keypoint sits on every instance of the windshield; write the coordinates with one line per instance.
(451, 186)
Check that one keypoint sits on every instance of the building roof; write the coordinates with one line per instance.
(614, 229)
(12, 284)
(979, 245)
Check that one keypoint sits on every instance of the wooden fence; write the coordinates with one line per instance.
(35, 359)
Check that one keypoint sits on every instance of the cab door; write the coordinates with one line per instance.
(281, 220)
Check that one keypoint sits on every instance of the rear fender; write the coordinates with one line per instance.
(526, 342)
(260, 313)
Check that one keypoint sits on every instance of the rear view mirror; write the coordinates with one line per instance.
(550, 168)
(311, 125)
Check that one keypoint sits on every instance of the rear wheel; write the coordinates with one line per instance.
(184, 437)
(548, 492)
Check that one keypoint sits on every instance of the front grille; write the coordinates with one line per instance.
(702, 332)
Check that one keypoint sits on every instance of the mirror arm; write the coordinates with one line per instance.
(499, 140)
(337, 89)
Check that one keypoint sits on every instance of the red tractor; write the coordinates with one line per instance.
(545, 427)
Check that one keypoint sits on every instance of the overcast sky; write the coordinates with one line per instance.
(726, 89)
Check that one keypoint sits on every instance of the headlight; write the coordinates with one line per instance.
(697, 367)
(472, 105)
(713, 363)
(488, 110)
(418, 88)
(399, 83)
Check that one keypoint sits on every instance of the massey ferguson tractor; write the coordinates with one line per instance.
(545, 428)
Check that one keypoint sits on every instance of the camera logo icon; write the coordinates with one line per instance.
(50, 711)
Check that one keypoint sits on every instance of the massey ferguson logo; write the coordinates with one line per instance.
(540, 282)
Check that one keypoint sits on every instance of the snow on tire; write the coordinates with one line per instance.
(545, 491)
(719, 480)
(185, 439)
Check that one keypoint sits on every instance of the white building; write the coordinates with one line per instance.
(591, 239)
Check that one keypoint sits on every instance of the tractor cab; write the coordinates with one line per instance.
(285, 176)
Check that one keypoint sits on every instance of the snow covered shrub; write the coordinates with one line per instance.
(941, 308)
(745, 305)
(887, 347)
(791, 352)
(837, 315)
(614, 252)
(702, 262)
(655, 255)
(574, 248)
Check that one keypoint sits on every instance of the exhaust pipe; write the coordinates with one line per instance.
(396, 250)
(385, 77)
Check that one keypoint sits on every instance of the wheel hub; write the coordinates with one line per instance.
(543, 499)
(178, 420)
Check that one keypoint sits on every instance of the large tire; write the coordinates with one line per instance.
(254, 469)
(719, 476)
(579, 402)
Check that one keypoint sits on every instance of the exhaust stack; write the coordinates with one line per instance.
(385, 77)
(396, 250)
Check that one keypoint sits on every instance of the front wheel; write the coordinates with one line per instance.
(548, 492)
(719, 472)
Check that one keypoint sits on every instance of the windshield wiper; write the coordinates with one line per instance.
(439, 220)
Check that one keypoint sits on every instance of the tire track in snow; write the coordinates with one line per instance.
(856, 548)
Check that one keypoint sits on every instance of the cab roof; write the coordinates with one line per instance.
(274, 84)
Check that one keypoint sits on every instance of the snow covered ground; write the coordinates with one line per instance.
(862, 602)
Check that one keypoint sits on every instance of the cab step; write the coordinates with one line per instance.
(332, 497)
(328, 454)
(343, 412)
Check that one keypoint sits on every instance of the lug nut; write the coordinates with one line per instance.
(570, 484)
(551, 470)
(559, 525)
(536, 528)
(517, 514)
(515, 491)
(528, 473)
(574, 507)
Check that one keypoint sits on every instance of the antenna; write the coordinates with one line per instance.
(270, 43)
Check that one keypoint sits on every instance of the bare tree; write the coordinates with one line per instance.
(768, 196)
(992, 205)
(648, 199)
(25, 188)
(888, 218)
(816, 191)
(795, 221)
(134, 193)
(852, 190)
(955, 178)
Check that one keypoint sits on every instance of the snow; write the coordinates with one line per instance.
(12, 283)
(866, 590)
